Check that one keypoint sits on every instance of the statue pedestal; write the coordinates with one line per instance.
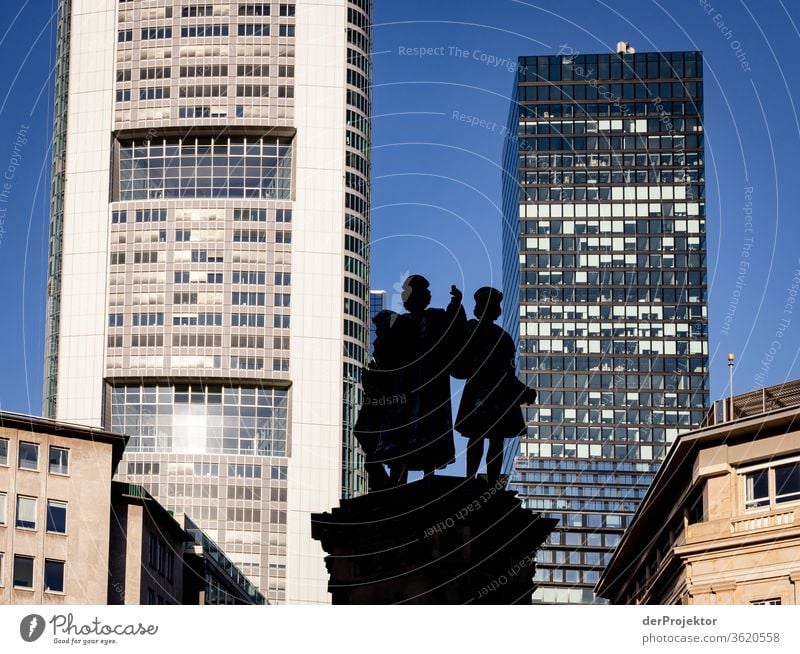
(441, 540)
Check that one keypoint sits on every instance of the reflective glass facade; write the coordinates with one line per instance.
(201, 419)
(604, 244)
(220, 167)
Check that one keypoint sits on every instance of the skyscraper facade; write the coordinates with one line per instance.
(604, 245)
(377, 303)
(208, 290)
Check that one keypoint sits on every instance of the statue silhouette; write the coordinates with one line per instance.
(426, 341)
(490, 404)
(405, 419)
(381, 417)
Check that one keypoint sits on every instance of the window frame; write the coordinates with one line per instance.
(64, 450)
(4, 509)
(19, 455)
(4, 460)
(47, 517)
(35, 511)
(63, 577)
(769, 466)
(14, 584)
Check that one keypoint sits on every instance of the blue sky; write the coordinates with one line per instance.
(437, 176)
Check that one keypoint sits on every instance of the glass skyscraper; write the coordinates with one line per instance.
(208, 267)
(604, 245)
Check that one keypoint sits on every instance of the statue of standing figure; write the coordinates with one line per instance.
(406, 419)
(490, 405)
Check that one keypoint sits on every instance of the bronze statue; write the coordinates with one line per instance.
(406, 420)
(490, 404)
(381, 417)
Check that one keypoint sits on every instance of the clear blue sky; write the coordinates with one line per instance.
(437, 179)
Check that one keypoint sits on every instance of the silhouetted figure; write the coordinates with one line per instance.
(490, 404)
(380, 417)
(427, 341)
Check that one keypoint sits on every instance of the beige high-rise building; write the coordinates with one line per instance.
(721, 522)
(208, 290)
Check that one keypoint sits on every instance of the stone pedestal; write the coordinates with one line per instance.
(441, 540)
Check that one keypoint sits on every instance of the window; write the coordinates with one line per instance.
(29, 456)
(2, 568)
(59, 461)
(787, 483)
(287, 10)
(3, 451)
(123, 95)
(26, 512)
(250, 29)
(53, 576)
(23, 571)
(773, 601)
(254, 10)
(172, 168)
(768, 485)
(2, 508)
(56, 517)
(286, 30)
(244, 470)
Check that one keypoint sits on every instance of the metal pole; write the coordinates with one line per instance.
(730, 370)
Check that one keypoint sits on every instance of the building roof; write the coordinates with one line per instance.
(41, 425)
(757, 416)
(126, 493)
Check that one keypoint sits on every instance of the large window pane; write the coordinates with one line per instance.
(220, 175)
(29, 456)
(54, 576)
(23, 571)
(2, 508)
(3, 451)
(59, 460)
(56, 517)
(787, 483)
(26, 512)
(756, 489)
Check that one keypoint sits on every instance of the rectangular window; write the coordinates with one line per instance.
(28, 456)
(56, 517)
(2, 569)
(59, 461)
(156, 33)
(53, 576)
(787, 483)
(286, 30)
(254, 10)
(23, 571)
(3, 451)
(26, 512)
(287, 10)
(251, 29)
(770, 485)
(2, 508)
